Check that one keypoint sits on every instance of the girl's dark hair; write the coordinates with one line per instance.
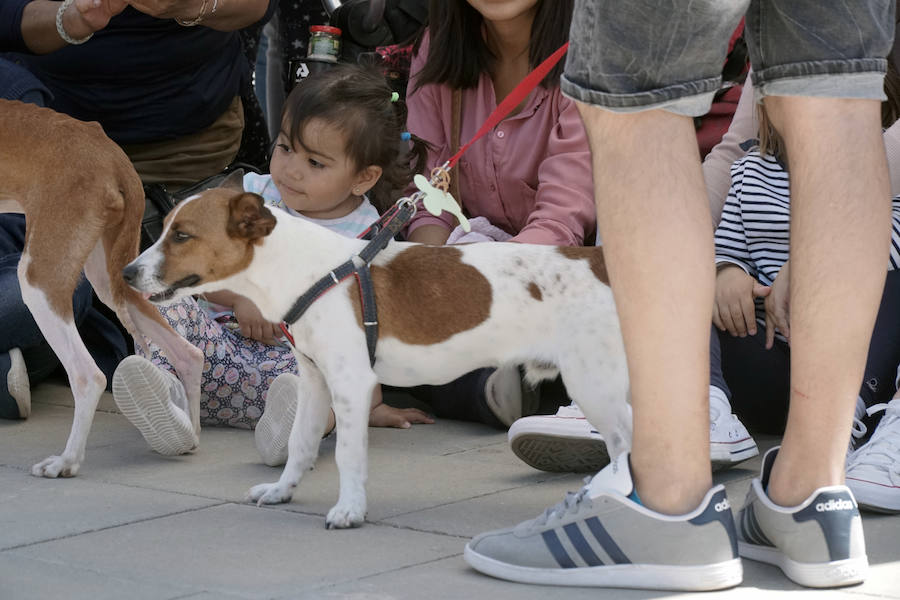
(357, 101)
(457, 53)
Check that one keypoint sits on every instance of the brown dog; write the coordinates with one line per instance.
(83, 203)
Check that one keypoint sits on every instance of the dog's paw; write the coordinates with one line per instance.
(269, 493)
(56, 466)
(343, 517)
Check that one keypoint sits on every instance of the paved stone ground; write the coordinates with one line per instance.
(137, 525)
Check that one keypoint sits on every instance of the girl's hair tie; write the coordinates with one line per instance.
(405, 136)
(394, 96)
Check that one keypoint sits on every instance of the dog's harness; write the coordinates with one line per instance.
(389, 225)
(380, 233)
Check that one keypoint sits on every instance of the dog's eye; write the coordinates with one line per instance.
(180, 236)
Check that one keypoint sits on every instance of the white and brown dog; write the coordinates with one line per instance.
(442, 312)
(83, 203)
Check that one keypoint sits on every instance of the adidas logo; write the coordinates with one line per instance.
(834, 504)
(722, 506)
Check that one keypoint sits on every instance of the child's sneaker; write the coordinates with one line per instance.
(729, 441)
(149, 397)
(274, 427)
(508, 396)
(600, 536)
(562, 443)
(873, 472)
(15, 396)
(818, 543)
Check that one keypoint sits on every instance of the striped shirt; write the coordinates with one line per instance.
(754, 232)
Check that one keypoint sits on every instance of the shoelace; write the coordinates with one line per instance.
(883, 449)
(569, 504)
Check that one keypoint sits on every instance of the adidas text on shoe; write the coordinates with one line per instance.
(560, 443)
(600, 537)
(818, 543)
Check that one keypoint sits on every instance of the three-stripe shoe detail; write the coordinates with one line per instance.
(750, 529)
(570, 545)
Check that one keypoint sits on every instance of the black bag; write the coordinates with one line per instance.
(159, 202)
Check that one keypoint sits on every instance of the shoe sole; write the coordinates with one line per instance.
(561, 454)
(818, 575)
(728, 454)
(17, 383)
(273, 431)
(166, 432)
(655, 577)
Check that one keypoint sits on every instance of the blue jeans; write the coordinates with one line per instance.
(632, 56)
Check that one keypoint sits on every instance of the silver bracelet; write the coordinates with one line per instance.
(62, 30)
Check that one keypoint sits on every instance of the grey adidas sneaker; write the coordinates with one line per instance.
(818, 543)
(600, 536)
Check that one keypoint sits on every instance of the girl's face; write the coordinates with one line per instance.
(316, 177)
(503, 10)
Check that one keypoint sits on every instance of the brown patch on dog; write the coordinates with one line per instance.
(535, 291)
(593, 254)
(426, 294)
(211, 250)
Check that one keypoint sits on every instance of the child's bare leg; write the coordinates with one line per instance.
(840, 230)
(657, 239)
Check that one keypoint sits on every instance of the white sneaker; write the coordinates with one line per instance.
(17, 383)
(873, 472)
(274, 427)
(508, 396)
(149, 397)
(560, 443)
(858, 430)
(729, 441)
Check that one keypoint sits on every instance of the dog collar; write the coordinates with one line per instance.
(380, 234)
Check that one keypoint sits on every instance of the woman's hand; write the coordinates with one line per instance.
(85, 17)
(252, 323)
(778, 307)
(734, 310)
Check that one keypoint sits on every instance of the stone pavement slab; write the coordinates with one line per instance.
(134, 524)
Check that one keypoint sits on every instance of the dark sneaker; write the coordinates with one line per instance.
(818, 543)
(15, 390)
(600, 536)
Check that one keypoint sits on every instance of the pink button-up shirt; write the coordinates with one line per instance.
(530, 175)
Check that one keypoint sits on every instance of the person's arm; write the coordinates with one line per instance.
(730, 239)
(717, 165)
(81, 19)
(564, 203)
(425, 118)
(229, 15)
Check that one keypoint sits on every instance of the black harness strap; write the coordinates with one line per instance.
(380, 234)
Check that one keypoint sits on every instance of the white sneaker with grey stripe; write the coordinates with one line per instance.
(601, 536)
(818, 543)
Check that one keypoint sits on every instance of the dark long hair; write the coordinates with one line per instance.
(457, 53)
(357, 101)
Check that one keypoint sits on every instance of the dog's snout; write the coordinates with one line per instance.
(130, 273)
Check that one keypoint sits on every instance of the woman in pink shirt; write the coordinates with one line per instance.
(531, 175)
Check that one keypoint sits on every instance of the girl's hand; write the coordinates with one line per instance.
(383, 415)
(733, 310)
(252, 323)
(778, 307)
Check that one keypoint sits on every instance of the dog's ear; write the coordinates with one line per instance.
(234, 181)
(249, 218)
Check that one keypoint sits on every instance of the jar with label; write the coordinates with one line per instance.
(324, 43)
